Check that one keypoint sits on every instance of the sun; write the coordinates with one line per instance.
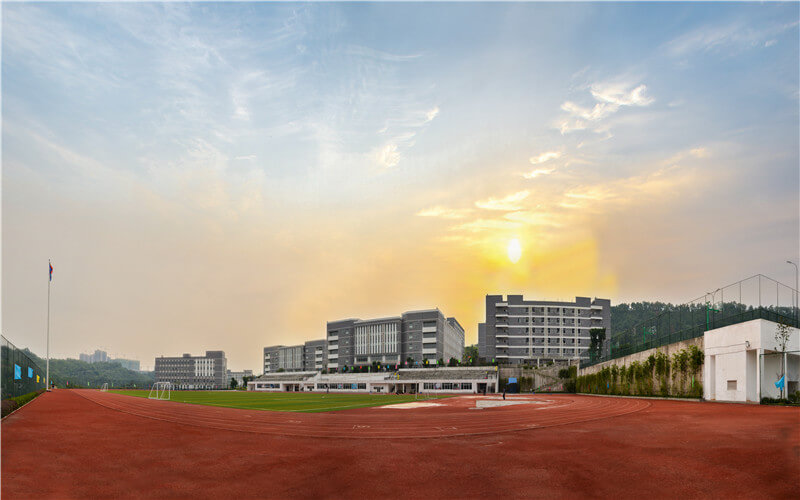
(514, 250)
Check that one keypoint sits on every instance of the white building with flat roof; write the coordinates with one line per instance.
(743, 362)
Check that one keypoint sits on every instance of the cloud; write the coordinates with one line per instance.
(620, 96)
(430, 115)
(550, 155)
(539, 171)
(246, 157)
(445, 213)
(480, 225)
(733, 37)
(699, 152)
(388, 156)
(510, 202)
(533, 218)
(610, 98)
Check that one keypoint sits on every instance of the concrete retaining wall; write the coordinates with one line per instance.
(642, 356)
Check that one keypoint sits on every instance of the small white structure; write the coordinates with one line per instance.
(742, 362)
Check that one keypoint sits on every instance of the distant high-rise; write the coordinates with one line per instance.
(518, 330)
(98, 357)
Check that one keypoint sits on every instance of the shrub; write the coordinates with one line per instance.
(11, 404)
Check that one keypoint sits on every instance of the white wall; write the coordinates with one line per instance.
(734, 353)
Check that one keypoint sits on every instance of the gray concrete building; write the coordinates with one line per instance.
(239, 376)
(413, 337)
(310, 356)
(315, 355)
(532, 331)
(130, 364)
(194, 372)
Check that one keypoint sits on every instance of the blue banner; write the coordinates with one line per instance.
(779, 384)
(17, 372)
(512, 380)
(30, 372)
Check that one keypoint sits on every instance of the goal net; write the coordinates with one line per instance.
(160, 390)
(105, 387)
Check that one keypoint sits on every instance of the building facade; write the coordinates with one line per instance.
(239, 376)
(194, 372)
(304, 357)
(411, 338)
(130, 364)
(524, 331)
(461, 380)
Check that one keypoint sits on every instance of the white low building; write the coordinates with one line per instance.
(460, 380)
(742, 362)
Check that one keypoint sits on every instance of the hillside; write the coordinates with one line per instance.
(82, 374)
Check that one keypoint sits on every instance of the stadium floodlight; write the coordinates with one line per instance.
(160, 390)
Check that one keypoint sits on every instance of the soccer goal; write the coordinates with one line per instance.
(104, 388)
(160, 390)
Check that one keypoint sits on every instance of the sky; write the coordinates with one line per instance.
(208, 176)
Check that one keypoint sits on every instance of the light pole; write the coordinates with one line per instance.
(709, 309)
(796, 289)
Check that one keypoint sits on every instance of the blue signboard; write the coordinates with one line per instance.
(17, 372)
(30, 372)
(512, 380)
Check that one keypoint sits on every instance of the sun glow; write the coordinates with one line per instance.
(514, 250)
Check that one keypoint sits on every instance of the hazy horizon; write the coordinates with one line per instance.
(232, 176)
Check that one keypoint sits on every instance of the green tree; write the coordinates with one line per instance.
(234, 383)
(596, 338)
(782, 333)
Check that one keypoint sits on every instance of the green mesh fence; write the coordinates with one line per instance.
(757, 297)
(20, 374)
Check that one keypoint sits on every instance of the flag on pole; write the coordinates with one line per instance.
(51, 271)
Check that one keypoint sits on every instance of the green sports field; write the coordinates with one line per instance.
(307, 402)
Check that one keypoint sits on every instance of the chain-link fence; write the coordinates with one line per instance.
(20, 374)
(757, 297)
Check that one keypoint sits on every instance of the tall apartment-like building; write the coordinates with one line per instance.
(518, 331)
(194, 372)
(98, 357)
(415, 335)
(297, 358)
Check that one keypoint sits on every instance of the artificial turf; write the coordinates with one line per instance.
(308, 402)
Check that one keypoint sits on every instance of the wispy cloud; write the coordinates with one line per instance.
(732, 37)
(538, 172)
(445, 213)
(510, 202)
(544, 157)
(433, 113)
(609, 98)
(387, 155)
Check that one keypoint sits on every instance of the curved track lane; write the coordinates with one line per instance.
(454, 417)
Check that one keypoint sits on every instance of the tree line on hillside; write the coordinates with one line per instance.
(76, 373)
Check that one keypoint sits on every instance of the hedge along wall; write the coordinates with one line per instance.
(670, 370)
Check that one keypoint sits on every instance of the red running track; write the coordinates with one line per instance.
(82, 444)
(450, 417)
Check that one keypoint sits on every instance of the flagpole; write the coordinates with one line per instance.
(49, 279)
